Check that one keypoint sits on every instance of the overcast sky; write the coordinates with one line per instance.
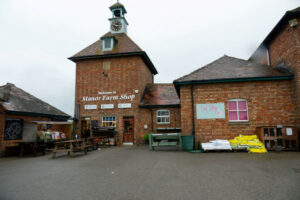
(37, 37)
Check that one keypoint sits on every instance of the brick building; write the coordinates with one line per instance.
(16, 107)
(231, 96)
(228, 97)
(111, 76)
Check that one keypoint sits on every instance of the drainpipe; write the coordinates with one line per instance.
(151, 120)
(193, 113)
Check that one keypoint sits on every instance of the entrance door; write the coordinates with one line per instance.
(128, 135)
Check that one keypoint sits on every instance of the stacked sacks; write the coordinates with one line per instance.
(248, 142)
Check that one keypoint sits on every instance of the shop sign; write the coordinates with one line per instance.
(107, 106)
(90, 107)
(124, 105)
(210, 111)
(130, 97)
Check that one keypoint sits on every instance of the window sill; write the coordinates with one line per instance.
(239, 123)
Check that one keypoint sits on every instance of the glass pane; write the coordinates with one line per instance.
(242, 105)
(108, 43)
(232, 105)
(158, 119)
(243, 115)
(233, 115)
(168, 119)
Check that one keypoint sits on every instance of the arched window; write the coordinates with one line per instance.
(238, 110)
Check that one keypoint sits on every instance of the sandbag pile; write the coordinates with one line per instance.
(249, 142)
(216, 145)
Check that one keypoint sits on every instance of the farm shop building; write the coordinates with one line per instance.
(111, 77)
(114, 87)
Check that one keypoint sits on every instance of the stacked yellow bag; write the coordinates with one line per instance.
(249, 142)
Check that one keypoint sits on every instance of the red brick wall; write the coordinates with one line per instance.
(186, 110)
(270, 103)
(286, 47)
(125, 75)
(4, 143)
(145, 119)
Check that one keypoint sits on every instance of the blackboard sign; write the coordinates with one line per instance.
(94, 124)
(13, 129)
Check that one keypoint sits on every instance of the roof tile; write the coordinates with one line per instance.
(160, 95)
(21, 101)
(233, 68)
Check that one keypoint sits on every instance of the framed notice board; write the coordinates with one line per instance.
(210, 111)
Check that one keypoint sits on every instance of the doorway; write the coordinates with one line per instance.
(128, 135)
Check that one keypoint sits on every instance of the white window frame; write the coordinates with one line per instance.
(169, 116)
(103, 44)
(237, 109)
(108, 121)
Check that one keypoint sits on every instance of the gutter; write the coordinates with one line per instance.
(160, 106)
(37, 114)
(230, 80)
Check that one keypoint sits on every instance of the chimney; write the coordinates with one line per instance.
(6, 93)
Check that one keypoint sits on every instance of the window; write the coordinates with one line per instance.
(13, 129)
(107, 44)
(163, 117)
(109, 121)
(238, 110)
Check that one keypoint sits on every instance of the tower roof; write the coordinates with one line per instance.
(118, 5)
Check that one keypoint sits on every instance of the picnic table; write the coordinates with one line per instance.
(71, 146)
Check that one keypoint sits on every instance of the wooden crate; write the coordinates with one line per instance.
(273, 136)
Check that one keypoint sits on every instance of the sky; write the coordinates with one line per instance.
(37, 37)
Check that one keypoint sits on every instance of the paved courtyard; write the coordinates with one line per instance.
(137, 173)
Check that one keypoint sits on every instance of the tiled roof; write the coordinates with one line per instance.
(158, 95)
(233, 68)
(17, 100)
(123, 44)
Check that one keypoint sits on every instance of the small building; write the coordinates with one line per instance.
(18, 106)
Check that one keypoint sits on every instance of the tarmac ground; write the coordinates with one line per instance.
(138, 173)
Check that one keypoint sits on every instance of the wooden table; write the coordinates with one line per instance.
(71, 146)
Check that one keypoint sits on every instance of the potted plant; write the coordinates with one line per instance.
(118, 141)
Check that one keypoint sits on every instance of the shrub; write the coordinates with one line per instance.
(146, 137)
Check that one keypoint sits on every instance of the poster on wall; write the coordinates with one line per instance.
(211, 111)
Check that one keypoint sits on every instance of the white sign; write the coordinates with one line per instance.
(130, 97)
(90, 107)
(107, 106)
(124, 105)
(289, 131)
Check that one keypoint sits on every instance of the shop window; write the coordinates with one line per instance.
(163, 117)
(13, 129)
(109, 121)
(238, 110)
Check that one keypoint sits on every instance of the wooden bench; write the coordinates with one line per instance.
(164, 140)
(71, 146)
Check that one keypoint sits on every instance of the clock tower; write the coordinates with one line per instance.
(118, 23)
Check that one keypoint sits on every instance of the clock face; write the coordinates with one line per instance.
(116, 25)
